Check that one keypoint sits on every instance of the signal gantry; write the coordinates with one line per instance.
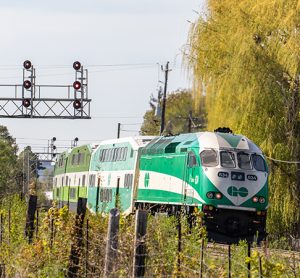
(31, 100)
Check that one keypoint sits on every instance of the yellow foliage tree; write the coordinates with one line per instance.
(247, 55)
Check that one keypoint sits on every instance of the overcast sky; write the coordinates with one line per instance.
(53, 34)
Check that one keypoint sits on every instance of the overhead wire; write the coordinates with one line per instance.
(282, 161)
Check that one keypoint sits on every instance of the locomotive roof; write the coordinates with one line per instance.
(219, 140)
(203, 140)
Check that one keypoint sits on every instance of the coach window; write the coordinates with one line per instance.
(122, 153)
(125, 153)
(258, 163)
(67, 179)
(119, 154)
(73, 159)
(227, 159)
(192, 161)
(244, 161)
(83, 180)
(78, 158)
(209, 158)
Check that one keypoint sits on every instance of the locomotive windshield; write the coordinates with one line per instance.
(209, 158)
(227, 159)
(258, 163)
(244, 160)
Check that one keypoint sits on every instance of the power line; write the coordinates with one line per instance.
(283, 161)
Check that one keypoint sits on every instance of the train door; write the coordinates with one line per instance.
(191, 178)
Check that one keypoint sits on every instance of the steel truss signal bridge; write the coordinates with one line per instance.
(29, 100)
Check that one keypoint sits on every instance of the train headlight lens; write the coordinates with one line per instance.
(255, 199)
(210, 195)
(210, 207)
(219, 195)
(262, 200)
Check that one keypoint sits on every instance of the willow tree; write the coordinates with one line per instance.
(247, 55)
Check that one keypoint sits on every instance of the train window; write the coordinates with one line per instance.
(227, 159)
(105, 155)
(83, 180)
(82, 158)
(67, 179)
(72, 193)
(171, 148)
(131, 153)
(258, 163)
(125, 153)
(209, 158)
(62, 181)
(192, 161)
(244, 161)
(57, 192)
(73, 159)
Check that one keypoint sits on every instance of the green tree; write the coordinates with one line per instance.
(179, 104)
(246, 56)
(8, 159)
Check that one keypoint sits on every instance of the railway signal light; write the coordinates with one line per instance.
(27, 84)
(76, 85)
(76, 65)
(77, 104)
(27, 64)
(26, 102)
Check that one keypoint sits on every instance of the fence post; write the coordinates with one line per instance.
(1, 228)
(86, 248)
(37, 224)
(201, 258)
(260, 266)
(179, 243)
(2, 271)
(139, 255)
(51, 231)
(9, 223)
(249, 255)
(29, 228)
(229, 261)
(76, 247)
(111, 251)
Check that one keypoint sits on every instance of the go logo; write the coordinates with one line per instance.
(146, 180)
(233, 191)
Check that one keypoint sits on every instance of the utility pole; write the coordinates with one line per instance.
(190, 122)
(119, 130)
(163, 111)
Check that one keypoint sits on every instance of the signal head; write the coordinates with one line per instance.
(76, 139)
(77, 104)
(76, 85)
(54, 147)
(27, 64)
(27, 84)
(54, 139)
(76, 65)
(26, 102)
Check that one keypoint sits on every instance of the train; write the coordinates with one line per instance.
(222, 175)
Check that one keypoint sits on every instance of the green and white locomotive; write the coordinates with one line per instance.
(223, 175)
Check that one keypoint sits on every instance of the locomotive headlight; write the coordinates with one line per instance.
(262, 200)
(210, 195)
(219, 195)
(255, 199)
